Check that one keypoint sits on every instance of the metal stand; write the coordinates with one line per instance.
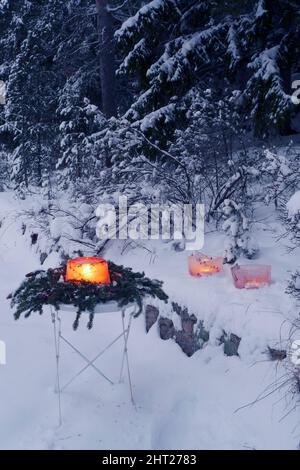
(58, 337)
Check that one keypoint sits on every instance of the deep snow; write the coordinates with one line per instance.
(182, 403)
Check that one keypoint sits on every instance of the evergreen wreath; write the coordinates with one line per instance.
(42, 288)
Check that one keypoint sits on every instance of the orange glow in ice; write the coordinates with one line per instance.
(251, 276)
(200, 265)
(88, 269)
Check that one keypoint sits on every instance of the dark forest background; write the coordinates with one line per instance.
(106, 89)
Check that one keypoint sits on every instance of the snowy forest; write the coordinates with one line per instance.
(173, 103)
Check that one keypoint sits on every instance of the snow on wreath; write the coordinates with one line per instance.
(51, 287)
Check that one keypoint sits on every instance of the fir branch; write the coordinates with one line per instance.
(42, 288)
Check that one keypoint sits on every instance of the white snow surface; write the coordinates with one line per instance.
(208, 401)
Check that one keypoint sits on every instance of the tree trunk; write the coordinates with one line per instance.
(107, 58)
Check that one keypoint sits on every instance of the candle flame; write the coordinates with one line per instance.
(254, 283)
(87, 270)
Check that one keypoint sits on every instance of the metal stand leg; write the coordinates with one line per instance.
(125, 357)
(56, 321)
(55, 317)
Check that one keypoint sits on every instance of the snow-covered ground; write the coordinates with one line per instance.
(202, 402)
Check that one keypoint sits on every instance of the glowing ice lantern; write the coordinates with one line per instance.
(252, 276)
(202, 265)
(88, 269)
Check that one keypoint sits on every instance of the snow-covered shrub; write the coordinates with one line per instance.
(293, 218)
(294, 285)
(204, 146)
(236, 226)
(59, 226)
(279, 176)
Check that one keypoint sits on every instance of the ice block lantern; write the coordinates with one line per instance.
(88, 269)
(202, 265)
(251, 276)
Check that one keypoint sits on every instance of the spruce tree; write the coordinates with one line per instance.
(171, 45)
(79, 119)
